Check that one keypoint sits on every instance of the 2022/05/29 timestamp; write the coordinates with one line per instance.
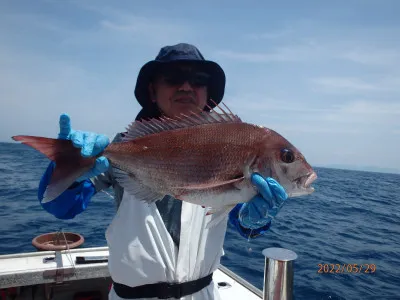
(346, 268)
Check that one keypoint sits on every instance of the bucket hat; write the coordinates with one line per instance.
(181, 52)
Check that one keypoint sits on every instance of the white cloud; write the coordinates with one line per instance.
(142, 25)
(35, 90)
(131, 32)
(372, 56)
(35, 22)
(252, 57)
(130, 27)
(341, 84)
(371, 117)
(345, 85)
(290, 115)
(354, 132)
(269, 35)
(107, 27)
(38, 83)
(259, 103)
(280, 54)
(141, 29)
(315, 49)
(370, 108)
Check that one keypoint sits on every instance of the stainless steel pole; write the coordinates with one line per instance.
(278, 274)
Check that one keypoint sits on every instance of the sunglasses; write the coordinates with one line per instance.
(179, 77)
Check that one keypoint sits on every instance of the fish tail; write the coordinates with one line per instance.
(70, 164)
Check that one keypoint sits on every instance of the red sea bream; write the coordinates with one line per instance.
(205, 158)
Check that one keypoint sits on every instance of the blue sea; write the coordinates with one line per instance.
(352, 218)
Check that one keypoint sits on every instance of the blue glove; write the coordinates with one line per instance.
(90, 143)
(261, 209)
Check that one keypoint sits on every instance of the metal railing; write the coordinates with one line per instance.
(278, 274)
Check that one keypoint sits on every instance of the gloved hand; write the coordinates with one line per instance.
(261, 209)
(90, 143)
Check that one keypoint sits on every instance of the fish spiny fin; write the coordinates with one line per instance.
(135, 188)
(142, 128)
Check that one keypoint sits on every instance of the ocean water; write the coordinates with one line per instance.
(352, 218)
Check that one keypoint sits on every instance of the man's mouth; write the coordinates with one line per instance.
(185, 100)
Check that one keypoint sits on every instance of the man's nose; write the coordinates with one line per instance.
(186, 86)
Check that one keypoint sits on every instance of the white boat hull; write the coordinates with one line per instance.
(56, 275)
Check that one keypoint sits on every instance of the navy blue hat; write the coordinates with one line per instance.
(180, 53)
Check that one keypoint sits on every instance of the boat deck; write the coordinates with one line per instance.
(49, 273)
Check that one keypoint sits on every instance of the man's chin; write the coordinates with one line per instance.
(180, 105)
(185, 108)
(185, 101)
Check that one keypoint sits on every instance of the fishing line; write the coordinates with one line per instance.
(248, 248)
(108, 194)
(69, 255)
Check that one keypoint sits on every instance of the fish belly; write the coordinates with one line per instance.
(219, 197)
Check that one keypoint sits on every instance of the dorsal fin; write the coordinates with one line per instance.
(142, 128)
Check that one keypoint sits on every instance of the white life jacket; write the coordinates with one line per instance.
(141, 251)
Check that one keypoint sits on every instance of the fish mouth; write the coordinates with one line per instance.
(303, 183)
(310, 179)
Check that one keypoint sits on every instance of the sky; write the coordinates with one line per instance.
(324, 74)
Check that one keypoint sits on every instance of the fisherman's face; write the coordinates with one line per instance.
(179, 89)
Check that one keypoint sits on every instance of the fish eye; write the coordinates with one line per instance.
(287, 156)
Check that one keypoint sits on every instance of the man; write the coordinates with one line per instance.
(167, 241)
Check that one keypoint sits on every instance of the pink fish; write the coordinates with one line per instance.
(205, 158)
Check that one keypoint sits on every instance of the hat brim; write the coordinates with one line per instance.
(216, 88)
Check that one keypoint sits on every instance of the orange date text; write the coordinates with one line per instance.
(346, 268)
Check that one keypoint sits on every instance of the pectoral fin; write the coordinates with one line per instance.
(135, 188)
